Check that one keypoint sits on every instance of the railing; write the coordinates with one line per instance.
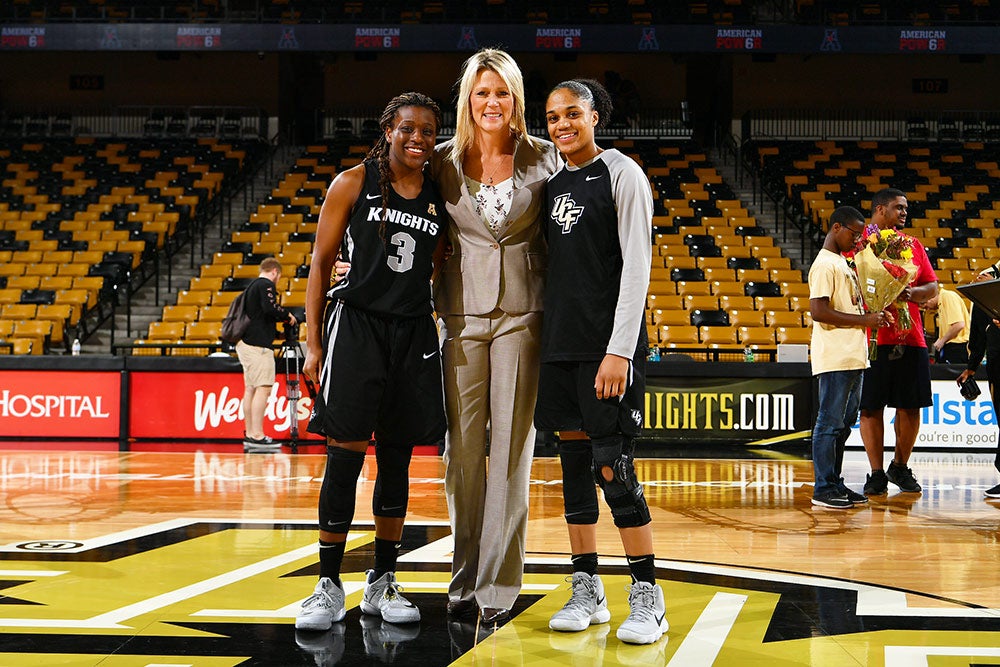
(226, 122)
(669, 355)
(362, 123)
(864, 125)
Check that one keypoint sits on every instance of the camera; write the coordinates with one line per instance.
(291, 331)
(969, 389)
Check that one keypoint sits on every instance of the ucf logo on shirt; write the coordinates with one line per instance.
(565, 212)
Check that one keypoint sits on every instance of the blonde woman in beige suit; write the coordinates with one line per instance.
(488, 297)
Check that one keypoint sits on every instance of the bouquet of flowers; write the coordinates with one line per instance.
(884, 263)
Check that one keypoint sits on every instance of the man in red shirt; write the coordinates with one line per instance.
(900, 376)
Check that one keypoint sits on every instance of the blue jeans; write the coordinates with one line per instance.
(839, 401)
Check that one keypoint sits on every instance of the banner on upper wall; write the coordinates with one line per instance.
(951, 422)
(522, 37)
(727, 410)
(206, 406)
(60, 404)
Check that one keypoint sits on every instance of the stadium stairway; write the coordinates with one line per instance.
(790, 240)
(145, 307)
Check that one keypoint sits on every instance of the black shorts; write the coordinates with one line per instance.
(903, 382)
(567, 402)
(379, 376)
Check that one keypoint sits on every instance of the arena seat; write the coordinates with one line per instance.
(723, 337)
(709, 318)
(671, 317)
(783, 318)
(746, 318)
(763, 336)
(678, 336)
(794, 335)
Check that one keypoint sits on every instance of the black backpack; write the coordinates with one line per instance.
(236, 321)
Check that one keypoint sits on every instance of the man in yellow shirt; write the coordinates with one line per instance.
(952, 344)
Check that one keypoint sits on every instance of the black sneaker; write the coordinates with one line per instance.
(833, 500)
(902, 477)
(876, 483)
(854, 496)
(992, 493)
(265, 441)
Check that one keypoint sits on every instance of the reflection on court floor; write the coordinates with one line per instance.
(203, 557)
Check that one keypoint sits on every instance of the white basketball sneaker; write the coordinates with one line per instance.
(382, 598)
(587, 605)
(323, 608)
(646, 622)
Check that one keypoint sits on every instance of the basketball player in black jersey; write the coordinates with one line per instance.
(592, 381)
(374, 332)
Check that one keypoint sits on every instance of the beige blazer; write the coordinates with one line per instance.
(486, 272)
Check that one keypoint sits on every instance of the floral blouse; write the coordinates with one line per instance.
(492, 201)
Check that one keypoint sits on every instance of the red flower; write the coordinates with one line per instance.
(894, 269)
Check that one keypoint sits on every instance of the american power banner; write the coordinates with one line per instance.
(205, 406)
(60, 404)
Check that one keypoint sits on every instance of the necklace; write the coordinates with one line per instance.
(489, 179)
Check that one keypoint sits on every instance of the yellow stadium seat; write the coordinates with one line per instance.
(770, 303)
(180, 313)
(736, 302)
(763, 336)
(166, 331)
(200, 298)
(724, 336)
(794, 335)
(18, 311)
(203, 332)
(794, 289)
(679, 336)
(701, 302)
(746, 318)
(783, 318)
(671, 317)
(213, 313)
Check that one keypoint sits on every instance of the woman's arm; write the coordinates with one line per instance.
(634, 204)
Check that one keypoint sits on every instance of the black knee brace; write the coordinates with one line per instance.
(622, 492)
(579, 492)
(392, 484)
(340, 486)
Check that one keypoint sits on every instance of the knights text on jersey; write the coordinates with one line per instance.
(391, 278)
(590, 211)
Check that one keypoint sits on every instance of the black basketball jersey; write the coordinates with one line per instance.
(598, 225)
(391, 277)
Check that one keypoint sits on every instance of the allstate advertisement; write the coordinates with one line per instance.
(952, 422)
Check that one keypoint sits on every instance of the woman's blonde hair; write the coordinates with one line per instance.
(465, 127)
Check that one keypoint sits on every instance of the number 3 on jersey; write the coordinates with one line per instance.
(402, 260)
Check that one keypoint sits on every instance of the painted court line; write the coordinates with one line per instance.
(702, 644)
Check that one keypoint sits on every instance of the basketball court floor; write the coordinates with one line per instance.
(199, 555)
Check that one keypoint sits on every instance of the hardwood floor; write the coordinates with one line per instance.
(201, 557)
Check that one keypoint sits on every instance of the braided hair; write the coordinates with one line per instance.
(594, 94)
(380, 150)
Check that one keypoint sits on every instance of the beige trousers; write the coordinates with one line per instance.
(490, 382)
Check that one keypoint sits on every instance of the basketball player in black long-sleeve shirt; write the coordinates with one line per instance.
(592, 383)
